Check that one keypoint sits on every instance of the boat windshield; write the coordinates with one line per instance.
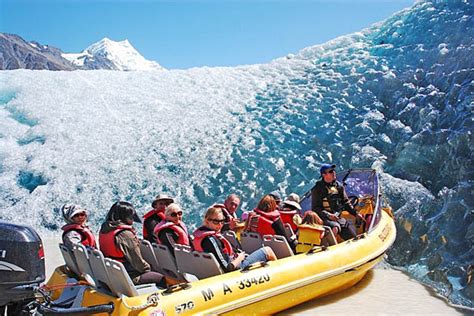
(363, 183)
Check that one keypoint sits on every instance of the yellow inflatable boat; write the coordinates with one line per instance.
(260, 289)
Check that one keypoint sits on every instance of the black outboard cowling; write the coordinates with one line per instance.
(21, 263)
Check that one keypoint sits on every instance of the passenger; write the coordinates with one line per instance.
(289, 213)
(311, 218)
(172, 230)
(311, 232)
(329, 198)
(76, 230)
(208, 238)
(265, 220)
(229, 209)
(156, 215)
(276, 195)
(118, 240)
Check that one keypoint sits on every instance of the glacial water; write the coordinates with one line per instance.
(397, 97)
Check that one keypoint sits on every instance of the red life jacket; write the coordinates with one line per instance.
(287, 217)
(199, 236)
(87, 237)
(261, 222)
(109, 247)
(180, 229)
(161, 215)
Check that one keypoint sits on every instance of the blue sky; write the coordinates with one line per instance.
(184, 34)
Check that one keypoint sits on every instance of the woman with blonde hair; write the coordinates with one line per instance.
(208, 238)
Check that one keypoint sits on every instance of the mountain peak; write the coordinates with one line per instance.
(114, 55)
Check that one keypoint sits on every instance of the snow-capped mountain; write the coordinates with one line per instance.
(108, 54)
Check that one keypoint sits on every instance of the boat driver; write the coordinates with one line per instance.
(329, 199)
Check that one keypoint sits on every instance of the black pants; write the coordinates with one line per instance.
(346, 228)
(152, 277)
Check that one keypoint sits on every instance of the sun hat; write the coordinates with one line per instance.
(293, 197)
(70, 210)
(161, 197)
(292, 203)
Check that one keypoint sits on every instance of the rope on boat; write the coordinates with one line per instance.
(62, 286)
(151, 300)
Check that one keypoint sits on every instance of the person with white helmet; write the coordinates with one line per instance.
(76, 230)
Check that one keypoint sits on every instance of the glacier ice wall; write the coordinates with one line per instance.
(397, 96)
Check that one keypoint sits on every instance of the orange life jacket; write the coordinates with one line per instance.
(87, 237)
(180, 229)
(149, 214)
(261, 222)
(109, 247)
(199, 236)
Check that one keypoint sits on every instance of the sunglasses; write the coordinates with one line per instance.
(176, 214)
(330, 171)
(216, 221)
(80, 214)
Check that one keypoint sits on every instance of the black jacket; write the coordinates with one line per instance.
(336, 197)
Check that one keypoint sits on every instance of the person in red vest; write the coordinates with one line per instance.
(289, 212)
(265, 220)
(172, 230)
(229, 209)
(156, 215)
(76, 230)
(208, 238)
(118, 240)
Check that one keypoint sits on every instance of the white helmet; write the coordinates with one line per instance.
(69, 210)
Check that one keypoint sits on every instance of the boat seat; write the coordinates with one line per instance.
(166, 261)
(69, 259)
(121, 282)
(82, 260)
(200, 264)
(149, 255)
(279, 245)
(96, 259)
(250, 241)
(231, 237)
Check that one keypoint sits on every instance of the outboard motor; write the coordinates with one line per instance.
(21, 266)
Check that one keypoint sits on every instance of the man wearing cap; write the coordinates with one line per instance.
(276, 196)
(156, 215)
(328, 199)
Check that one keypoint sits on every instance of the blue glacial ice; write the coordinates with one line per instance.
(397, 97)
